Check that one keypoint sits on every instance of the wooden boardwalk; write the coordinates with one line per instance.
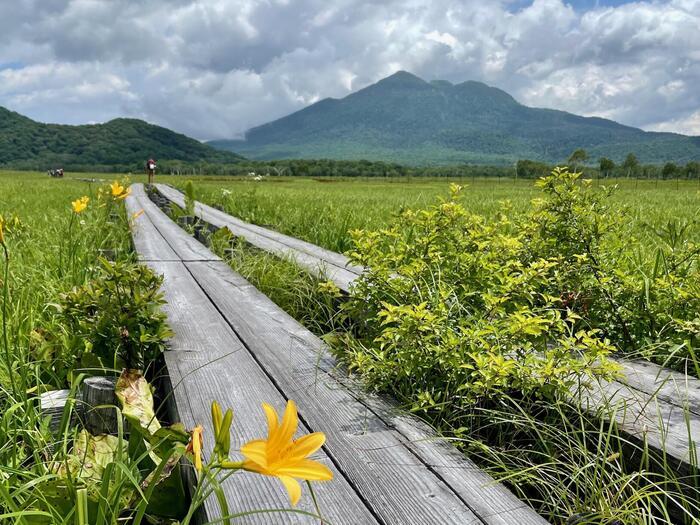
(234, 345)
(651, 402)
(319, 261)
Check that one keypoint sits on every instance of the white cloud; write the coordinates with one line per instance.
(213, 68)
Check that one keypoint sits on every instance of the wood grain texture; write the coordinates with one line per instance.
(332, 257)
(208, 362)
(666, 427)
(184, 245)
(657, 403)
(148, 242)
(399, 481)
(667, 385)
(372, 451)
(99, 405)
(322, 263)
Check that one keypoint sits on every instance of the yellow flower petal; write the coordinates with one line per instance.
(271, 415)
(290, 421)
(306, 469)
(307, 445)
(293, 488)
(256, 451)
(252, 466)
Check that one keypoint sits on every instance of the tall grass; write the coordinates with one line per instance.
(50, 250)
(323, 211)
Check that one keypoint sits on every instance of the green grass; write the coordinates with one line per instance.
(322, 211)
(51, 250)
(562, 460)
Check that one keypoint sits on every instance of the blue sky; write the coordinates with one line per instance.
(214, 68)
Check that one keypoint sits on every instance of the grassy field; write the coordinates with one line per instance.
(322, 211)
(74, 304)
(463, 337)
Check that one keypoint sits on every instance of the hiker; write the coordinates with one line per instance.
(150, 170)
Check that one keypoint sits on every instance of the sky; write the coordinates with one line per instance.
(214, 68)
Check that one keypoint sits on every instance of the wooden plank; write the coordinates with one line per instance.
(675, 398)
(667, 385)
(493, 502)
(372, 452)
(148, 242)
(666, 427)
(322, 263)
(210, 363)
(329, 256)
(198, 341)
(184, 245)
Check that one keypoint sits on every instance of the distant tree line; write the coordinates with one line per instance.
(607, 168)
(524, 169)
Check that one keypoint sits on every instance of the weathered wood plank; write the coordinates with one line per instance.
(318, 261)
(645, 385)
(374, 453)
(400, 480)
(667, 385)
(148, 242)
(209, 363)
(329, 256)
(665, 426)
(185, 246)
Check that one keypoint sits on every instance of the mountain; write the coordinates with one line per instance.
(120, 143)
(403, 118)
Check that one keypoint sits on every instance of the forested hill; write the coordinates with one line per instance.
(119, 144)
(403, 118)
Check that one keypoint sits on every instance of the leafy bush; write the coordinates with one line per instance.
(113, 321)
(454, 310)
(645, 305)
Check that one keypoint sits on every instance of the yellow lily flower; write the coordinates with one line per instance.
(119, 191)
(195, 446)
(284, 458)
(80, 205)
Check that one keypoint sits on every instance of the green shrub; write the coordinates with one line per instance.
(644, 304)
(113, 321)
(454, 310)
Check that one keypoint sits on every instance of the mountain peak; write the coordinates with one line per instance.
(405, 119)
(403, 78)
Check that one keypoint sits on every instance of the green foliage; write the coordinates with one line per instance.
(120, 145)
(606, 166)
(642, 302)
(454, 309)
(113, 321)
(529, 169)
(578, 157)
(189, 198)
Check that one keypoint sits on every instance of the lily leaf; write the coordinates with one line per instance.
(134, 393)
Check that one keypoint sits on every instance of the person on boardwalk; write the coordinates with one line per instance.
(150, 170)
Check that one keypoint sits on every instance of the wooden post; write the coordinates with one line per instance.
(53, 404)
(108, 253)
(99, 392)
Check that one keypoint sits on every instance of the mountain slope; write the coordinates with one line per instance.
(120, 142)
(406, 119)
